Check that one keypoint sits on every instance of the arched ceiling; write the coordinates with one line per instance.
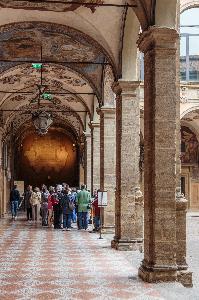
(22, 120)
(79, 44)
(53, 43)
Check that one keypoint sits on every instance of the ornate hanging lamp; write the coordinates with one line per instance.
(42, 121)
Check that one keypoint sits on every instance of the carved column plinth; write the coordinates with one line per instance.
(108, 164)
(129, 204)
(160, 131)
(184, 276)
(95, 156)
(87, 167)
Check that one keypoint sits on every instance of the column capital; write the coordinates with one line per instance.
(87, 134)
(106, 110)
(158, 37)
(125, 87)
(93, 124)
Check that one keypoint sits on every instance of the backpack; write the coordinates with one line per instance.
(71, 205)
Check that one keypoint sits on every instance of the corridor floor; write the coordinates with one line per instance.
(38, 263)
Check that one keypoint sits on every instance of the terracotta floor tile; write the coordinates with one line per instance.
(46, 296)
(48, 265)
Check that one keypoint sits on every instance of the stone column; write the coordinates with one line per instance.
(108, 163)
(95, 156)
(1, 180)
(129, 208)
(160, 131)
(87, 168)
(184, 276)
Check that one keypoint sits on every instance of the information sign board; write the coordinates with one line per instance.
(102, 198)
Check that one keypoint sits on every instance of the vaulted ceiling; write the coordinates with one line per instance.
(81, 45)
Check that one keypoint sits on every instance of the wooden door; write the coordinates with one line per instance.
(194, 200)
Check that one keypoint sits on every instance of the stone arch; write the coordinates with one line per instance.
(166, 13)
(84, 48)
(76, 21)
(191, 109)
(188, 4)
(131, 31)
(191, 127)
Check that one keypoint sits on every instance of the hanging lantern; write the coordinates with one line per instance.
(47, 96)
(42, 121)
(37, 66)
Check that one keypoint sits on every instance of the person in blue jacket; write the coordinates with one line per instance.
(14, 201)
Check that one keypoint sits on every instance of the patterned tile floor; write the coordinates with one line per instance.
(40, 263)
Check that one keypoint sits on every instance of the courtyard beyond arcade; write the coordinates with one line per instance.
(38, 263)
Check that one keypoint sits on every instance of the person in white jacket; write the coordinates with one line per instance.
(35, 201)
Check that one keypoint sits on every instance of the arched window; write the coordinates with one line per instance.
(189, 45)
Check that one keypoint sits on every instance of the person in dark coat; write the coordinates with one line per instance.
(67, 209)
(56, 199)
(14, 201)
(44, 205)
(28, 206)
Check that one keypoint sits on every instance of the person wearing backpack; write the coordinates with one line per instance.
(83, 201)
(67, 209)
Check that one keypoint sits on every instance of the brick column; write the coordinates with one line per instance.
(160, 131)
(108, 163)
(95, 156)
(129, 208)
(88, 160)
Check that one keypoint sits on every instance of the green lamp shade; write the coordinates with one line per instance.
(37, 66)
(46, 96)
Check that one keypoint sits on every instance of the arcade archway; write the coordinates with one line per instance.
(49, 159)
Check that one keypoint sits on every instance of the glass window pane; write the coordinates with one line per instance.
(194, 58)
(189, 17)
(182, 46)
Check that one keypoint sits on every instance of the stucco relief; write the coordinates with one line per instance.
(50, 6)
(17, 98)
(50, 71)
(183, 94)
(109, 96)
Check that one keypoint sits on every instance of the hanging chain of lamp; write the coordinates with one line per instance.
(42, 120)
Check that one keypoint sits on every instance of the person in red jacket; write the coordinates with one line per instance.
(96, 213)
(50, 206)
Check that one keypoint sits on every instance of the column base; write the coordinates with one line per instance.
(185, 277)
(108, 229)
(127, 245)
(154, 274)
(182, 266)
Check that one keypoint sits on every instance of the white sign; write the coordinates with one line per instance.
(102, 198)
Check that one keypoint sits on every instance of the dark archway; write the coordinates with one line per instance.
(49, 159)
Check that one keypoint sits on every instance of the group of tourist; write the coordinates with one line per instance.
(57, 207)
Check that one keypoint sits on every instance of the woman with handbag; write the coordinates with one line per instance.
(35, 201)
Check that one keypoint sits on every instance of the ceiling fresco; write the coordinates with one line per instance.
(48, 5)
(60, 45)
